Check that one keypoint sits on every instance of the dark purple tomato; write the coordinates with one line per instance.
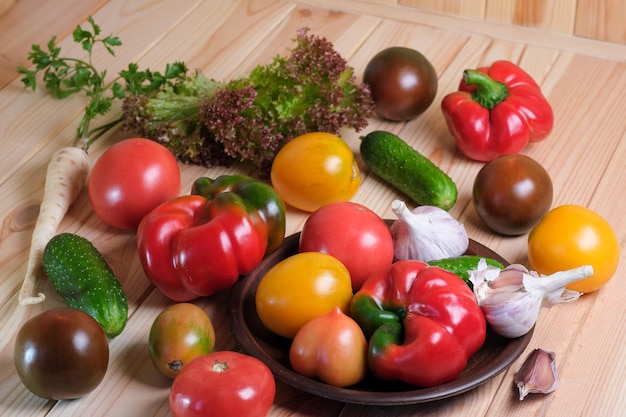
(402, 81)
(61, 354)
(512, 193)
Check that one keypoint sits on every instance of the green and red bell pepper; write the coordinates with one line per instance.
(198, 244)
(423, 323)
(264, 200)
(498, 110)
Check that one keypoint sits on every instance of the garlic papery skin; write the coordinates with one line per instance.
(512, 298)
(537, 375)
(426, 233)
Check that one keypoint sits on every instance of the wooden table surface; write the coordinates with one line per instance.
(584, 80)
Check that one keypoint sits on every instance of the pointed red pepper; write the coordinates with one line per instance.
(497, 111)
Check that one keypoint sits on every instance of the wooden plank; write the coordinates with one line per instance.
(552, 15)
(579, 344)
(5, 5)
(34, 20)
(504, 32)
(601, 19)
(582, 79)
(467, 8)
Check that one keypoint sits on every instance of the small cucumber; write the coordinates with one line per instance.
(462, 265)
(85, 281)
(397, 163)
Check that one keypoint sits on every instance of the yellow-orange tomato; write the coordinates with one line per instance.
(300, 288)
(315, 169)
(179, 334)
(570, 236)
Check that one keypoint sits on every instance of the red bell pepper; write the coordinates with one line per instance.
(423, 323)
(260, 195)
(192, 246)
(497, 111)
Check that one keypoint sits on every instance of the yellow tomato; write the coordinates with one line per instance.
(315, 169)
(570, 236)
(300, 288)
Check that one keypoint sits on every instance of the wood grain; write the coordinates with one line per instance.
(601, 19)
(469, 8)
(596, 19)
(553, 15)
(582, 78)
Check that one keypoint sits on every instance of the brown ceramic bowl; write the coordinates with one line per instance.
(496, 355)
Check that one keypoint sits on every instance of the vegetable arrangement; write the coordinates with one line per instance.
(311, 298)
(421, 321)
(403, 302)
(200, 120)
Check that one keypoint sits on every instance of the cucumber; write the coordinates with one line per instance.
(397, 163)
(462, 265)
(85, 281)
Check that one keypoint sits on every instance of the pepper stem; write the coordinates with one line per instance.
(488, 92)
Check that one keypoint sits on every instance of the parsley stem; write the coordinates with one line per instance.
(90, 137)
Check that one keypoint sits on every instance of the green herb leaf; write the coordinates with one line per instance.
(65, 76)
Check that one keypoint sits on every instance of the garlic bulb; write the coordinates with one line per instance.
(426, 233)
(537, 375)
(512, 298)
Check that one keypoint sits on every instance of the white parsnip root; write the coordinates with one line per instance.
(65, 178)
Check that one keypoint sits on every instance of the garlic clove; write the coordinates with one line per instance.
(537, 375)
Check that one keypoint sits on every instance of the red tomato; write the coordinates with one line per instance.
(332, 348)
(130, 179)
(222, 384)
(352, 233)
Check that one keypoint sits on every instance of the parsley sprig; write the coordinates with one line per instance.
(65, 76)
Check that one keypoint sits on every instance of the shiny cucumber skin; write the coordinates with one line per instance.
(462, 265)
(82, 277)
(397, 163)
